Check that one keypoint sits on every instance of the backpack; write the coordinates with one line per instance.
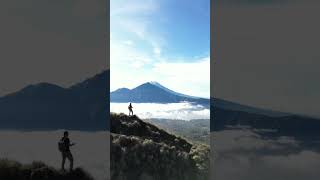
(61, 145)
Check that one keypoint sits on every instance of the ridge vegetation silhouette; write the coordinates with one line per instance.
(13, 170)
(142, 151)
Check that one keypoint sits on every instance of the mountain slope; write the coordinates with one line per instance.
(170, 91)
(227, 105)
(197, 130)
(152, 92)
(142, 151)
(290, 125)
(12, 170)
(46, 106)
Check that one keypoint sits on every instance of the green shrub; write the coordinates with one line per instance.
(140, 151)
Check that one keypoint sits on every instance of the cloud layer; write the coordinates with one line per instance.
(243, 155)
(182, 111)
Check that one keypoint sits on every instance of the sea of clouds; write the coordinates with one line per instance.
(245, 155)
(91, 151)
(182, 111)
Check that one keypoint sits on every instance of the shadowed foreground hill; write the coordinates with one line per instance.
(142, 151)
(12, 170)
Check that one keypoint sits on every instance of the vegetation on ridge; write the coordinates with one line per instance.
(141, 150)
(13, 170)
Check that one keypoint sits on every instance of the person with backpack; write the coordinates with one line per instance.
(130, 109)
(64, 148)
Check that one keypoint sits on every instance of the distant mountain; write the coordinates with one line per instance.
(287, 125)
(170, 91)
(84, 106)
(47, 106)
(229, 115)
(153, 92)
(228, 105)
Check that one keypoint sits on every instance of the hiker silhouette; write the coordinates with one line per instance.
(130, 109)
(64, 147)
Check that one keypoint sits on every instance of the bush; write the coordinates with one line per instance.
(141, 151)
(12, 170)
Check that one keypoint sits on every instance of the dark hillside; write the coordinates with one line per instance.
(12, 170)
(142, 151)
(197, 130)
(133, 126)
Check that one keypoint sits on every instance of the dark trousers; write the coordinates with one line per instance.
(67, 155)
(130, 112)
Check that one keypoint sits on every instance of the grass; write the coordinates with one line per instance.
(13, 170)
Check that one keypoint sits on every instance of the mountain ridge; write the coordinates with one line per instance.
(46, 106)
(224, 104)
(138, 95)
(84, 106)
(153, 92)
(171, 91)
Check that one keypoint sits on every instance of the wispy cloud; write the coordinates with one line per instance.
(125, 54)
(135, 17)
(186, 74)
(132, 7)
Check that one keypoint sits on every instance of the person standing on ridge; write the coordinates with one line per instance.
(64, 147)
(130, 109)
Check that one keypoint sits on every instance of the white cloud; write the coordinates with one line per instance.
(128, 42)
(125, 54)
(190, 77)
(132, 7)
(137, 27)
(244, 154)
(182, 111)
(136, 17)
(157, 51)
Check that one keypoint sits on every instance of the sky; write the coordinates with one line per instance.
(167, 41)
(51, 41)
(267, 54)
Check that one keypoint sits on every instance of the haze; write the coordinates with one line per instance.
(51, 41)
(267, 54)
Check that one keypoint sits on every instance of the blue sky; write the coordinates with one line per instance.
(161, 40)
